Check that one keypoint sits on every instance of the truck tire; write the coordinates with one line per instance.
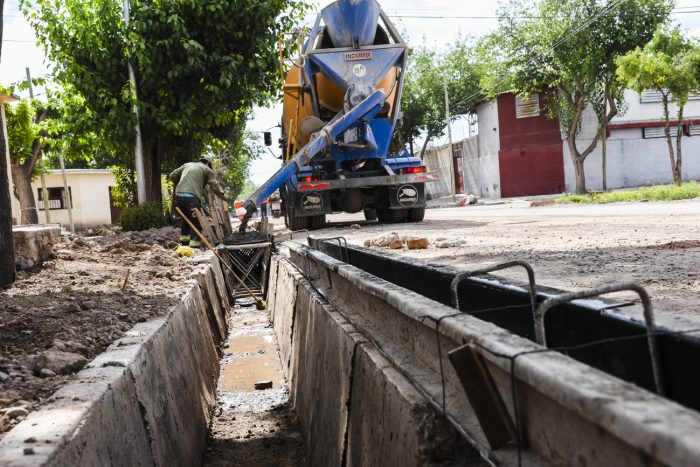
(317, 222)
(416, 214)
(370, 214)
(295, 223)
(393, 216)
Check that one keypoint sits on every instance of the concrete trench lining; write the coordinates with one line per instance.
(354, 407)
(146, 400)
(571, 413)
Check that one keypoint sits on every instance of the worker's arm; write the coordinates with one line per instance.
(214, 185)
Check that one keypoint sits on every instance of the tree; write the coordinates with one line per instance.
(199, 66)
(665, 65)
(568, 47)
(7, 249)
(26, 129)
(233, 157)
(423, 103)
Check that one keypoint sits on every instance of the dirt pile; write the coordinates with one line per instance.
(54, 321)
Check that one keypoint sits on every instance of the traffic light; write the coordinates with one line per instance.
(268, 138)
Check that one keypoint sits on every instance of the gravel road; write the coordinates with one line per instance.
(571, 247)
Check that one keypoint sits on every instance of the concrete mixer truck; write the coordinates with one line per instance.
(341, 107)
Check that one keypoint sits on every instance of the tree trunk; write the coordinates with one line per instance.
(579, 169)
(679, 154)
(7, 250)
(410, 144)
(22, 179)
(151, 162)
(669, 142)
(428, 137)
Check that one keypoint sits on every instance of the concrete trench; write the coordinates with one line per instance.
(368, 379)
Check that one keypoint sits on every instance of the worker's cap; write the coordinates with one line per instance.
(206, 160)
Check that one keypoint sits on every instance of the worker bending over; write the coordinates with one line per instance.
(190, 181)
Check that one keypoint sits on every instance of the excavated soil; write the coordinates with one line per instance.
(53, 321)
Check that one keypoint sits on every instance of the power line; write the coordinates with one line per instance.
(568, 36)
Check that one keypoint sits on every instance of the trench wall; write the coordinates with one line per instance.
(354, 406)
(147, 400)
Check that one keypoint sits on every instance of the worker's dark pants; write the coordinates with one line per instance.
(186, 205)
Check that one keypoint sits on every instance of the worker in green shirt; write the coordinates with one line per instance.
(190, 181)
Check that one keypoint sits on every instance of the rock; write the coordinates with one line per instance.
(444, 245)
(88, 305)
(4, 402)
(396, 245)
(4, 377)
(34, 244)
(73, 308)
(260, 385)
(368, 243)
(46, 373)
(59, 362)
(417, 244)
(28, 451)
(16, 412)
(385, 240)
(355, 226)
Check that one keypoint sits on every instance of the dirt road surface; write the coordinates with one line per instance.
(572, 247)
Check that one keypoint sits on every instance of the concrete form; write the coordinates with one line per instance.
(350, 323)
(147, 400)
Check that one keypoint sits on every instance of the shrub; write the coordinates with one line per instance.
(145, 216)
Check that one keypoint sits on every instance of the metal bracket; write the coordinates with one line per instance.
(291, 234)
(530, 276)
(652, 341)
(307, 268)
(483, 395)
(343, 246)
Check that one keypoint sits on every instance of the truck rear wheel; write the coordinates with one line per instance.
(393, 216)
(416, 214)
(317, 222)
(295, 223)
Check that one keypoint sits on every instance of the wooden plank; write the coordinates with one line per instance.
(206, 226)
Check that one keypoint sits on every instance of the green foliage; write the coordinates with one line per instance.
(423, 100)
(665, 64)
(23, 129)
(232, 158)
(248, 189)
(145, 216)
(124, 192)
(688, 190)
(199, 66)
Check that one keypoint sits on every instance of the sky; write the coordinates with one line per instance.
(19, 49)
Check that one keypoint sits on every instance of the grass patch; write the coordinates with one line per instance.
(687, 190)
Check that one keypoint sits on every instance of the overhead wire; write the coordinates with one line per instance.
(568, 36)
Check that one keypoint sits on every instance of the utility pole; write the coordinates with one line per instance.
(138, 148)
(44, 191)
(67, 201)
(7, 248)
(449, 137)
(605, 142)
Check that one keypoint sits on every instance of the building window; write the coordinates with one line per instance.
(527, 107)
(56, 198)
(652, 95)
(657, 132)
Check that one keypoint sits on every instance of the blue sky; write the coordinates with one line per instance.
(19, 48)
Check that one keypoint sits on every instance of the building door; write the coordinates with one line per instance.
(114, 211)
(458, 168)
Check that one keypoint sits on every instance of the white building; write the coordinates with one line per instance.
(518, 151)
(90, 192)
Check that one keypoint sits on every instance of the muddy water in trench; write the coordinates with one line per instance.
(253, 427)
